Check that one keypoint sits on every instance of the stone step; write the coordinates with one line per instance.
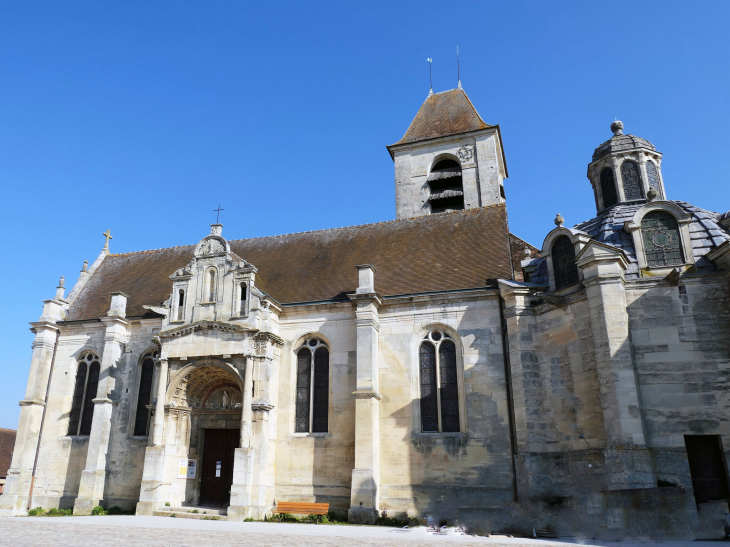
(191, 509)
(186, 513)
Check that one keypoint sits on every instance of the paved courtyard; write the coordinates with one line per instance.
(168, 532)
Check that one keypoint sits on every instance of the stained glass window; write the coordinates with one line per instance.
(82, 405)
(439, 384)
(564, 268)
(313, 387)
(608, 188)
(429, 397)
(321, 390)
(653, 178)
(632, 180)
(662, 244)
(304, 376)
(141, 419)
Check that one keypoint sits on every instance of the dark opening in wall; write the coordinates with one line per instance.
(446, 188)
(707, 467)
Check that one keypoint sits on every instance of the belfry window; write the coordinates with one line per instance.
(564, 268)
(660, 235)
(242, 306)
(82, 406)
(142, 417)
(181, 305)
(608, 188)
(312, 395)
(653, 178)
(439, 385)
(631, 180)
(445, 187)
(211, 284)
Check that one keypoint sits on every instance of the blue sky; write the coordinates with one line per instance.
(141, 117)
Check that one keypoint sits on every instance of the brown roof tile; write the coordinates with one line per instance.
(446, 113)
(7, 444)
(432, 253)
(518, 246)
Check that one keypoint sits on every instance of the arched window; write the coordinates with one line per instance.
(439, 385)
(608, 188)
(181, 305)
(632, 180)
(82, 406)
(242, 306)
(653, 178)
(445, 185)
(142, 417)
(211, 284)
(313, 386)
(660, 234)
(564, 268)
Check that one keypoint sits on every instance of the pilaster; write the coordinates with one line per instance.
(364, 497)
(628, 461)
(93, 477)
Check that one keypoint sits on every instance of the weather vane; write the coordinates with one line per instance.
(430, 74)
(218, 212)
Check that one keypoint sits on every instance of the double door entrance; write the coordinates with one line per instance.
(217, 470)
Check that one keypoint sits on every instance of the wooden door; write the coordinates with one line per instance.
(706, 464)
(217, 472)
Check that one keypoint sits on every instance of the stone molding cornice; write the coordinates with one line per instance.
(32, 402)
(202, 326)
(262, 407)
(371, 297)
(43, 325)
(605, 280)
(105, 401)
(265, 336)
(367, 394)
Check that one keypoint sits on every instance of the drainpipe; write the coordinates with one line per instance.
(43, 421)
(510, 400)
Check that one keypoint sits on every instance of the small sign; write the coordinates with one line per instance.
(187, 468)
(217, 469)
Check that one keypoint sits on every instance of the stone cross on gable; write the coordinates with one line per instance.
(108, 236)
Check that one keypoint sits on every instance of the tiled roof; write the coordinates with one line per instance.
(445, 251)
(619, 143)
(7, 444)
(442, 114)
(608, 227)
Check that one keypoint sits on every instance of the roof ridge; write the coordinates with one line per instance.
(462, 211)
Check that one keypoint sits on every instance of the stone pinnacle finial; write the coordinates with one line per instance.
(617, 127)
(86, 266)
(61, 282)
(559, 221)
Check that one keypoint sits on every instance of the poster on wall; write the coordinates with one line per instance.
(187, 468)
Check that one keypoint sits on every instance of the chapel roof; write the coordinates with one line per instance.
(440, 252)
(7, 443)
(608, 227)
(443, 114)
(621, 143)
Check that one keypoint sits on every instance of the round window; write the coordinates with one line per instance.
(313, 342)
(436, 336)
(661, 239)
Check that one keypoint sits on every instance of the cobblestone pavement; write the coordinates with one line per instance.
(159, 531)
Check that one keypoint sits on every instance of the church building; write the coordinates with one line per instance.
(434, 364)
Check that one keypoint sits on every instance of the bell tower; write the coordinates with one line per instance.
(448, 160)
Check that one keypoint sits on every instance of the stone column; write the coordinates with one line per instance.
(152, 491)
(364, 494)
(240, 507)
(628, 461)
(15, 498)
(93, 477)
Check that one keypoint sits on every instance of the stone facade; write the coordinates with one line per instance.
(564, 409)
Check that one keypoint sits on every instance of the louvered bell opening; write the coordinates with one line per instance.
(446, 189)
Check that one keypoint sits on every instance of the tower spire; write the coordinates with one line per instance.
(430, 75)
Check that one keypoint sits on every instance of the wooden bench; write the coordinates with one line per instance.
(297, 508)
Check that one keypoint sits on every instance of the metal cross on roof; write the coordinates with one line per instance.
(218, 212)
(108, 236)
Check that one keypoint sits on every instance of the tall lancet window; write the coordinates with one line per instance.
(564, 268)
(211, 284)
(446, 188)
(608, 188)
(439, 384)
(312, 394)
(85, 386)
(142, 417)
(653, 178)
(181, 305)
(662, 244)
(631, 180)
